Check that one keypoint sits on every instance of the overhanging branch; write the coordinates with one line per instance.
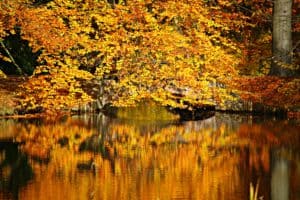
(11, 58)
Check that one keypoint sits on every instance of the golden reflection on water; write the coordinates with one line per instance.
(162, 173)
(205, 160)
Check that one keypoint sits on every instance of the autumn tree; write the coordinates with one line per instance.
(179, 53)
(153, 48)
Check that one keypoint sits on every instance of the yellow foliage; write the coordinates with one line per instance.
(149, 46)
(2, 75)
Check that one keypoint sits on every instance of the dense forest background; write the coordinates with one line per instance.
(183, 54)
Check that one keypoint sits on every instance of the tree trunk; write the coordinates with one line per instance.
(282, 38)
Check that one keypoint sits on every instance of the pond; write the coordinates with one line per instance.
(136, 157)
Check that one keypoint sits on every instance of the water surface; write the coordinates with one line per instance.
(98, 157)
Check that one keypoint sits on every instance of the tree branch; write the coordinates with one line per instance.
(11, 58)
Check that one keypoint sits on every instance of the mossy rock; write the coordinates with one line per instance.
(146, 110)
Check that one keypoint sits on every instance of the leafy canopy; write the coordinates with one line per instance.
(152, 49)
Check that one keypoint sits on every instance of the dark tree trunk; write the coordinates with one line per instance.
(282, 38)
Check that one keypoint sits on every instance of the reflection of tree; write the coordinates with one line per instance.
(164, 172)
(206, 159)
(280, 179)
(38, 140)
(19, 170)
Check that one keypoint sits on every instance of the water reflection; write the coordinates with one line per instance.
(97, 157)
(15, 171)
(280, 177)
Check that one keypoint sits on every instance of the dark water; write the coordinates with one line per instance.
(97, 157)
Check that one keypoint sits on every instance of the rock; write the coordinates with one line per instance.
(194, 113)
